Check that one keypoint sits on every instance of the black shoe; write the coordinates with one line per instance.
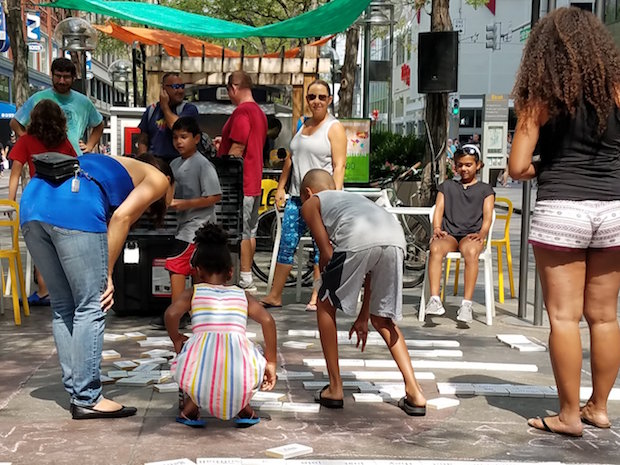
(87, 413)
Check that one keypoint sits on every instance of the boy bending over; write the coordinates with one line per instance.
(359, 244)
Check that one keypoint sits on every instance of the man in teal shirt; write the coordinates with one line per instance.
(79, 110)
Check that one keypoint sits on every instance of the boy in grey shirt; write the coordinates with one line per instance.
(197, 190)
(360, 244)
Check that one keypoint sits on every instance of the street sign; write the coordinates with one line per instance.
(458, 24)
(35, 47)
(524, 33)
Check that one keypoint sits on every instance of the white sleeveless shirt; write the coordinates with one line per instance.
(310, 152)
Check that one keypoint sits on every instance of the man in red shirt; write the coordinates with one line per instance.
(244, 136)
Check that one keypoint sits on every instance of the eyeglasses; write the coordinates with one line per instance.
(176, 86)
(321, 97)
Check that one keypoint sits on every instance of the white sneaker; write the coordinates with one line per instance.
(434, 307)
(247, 286)
(465, 313)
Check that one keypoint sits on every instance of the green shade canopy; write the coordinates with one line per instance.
(331, 18)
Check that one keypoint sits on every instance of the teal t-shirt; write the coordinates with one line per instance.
(78, 109)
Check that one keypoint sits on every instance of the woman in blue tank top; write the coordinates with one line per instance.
(567, 97)
(75, 231)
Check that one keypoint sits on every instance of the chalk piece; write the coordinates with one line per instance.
(301, 407)
(288, 451)
(166, 387)
(367, 397)
(303, 333)
(464, 389)
(135, 336)
(272, 406)
(440, 403)
(268, 396)
(110, 355)
(219, 461)
(297, 344)
(435, 353)
(525, 391)
(125, 364)
(173, 462)
(117, 374)
(135, 381)
(106, 379)
(292, 375)
(111, 337)
(158, 353)
(492, 390)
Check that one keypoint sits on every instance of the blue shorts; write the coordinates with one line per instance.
(293, 227)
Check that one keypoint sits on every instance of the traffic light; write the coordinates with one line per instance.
(455, 107)
(493, 34)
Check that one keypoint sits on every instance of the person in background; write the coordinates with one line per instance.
(47, 132)
(158, 119)
(244, 136)
(569, 103)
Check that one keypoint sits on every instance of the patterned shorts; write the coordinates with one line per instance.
(568, 224)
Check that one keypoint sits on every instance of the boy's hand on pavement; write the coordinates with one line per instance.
(360, 328)
(270, 377)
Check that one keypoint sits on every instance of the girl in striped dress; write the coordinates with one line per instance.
(218, 367)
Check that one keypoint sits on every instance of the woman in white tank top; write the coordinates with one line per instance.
(320, 142)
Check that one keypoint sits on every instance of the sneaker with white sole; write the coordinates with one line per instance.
(248, 287)
(434, 307)
(465, 313)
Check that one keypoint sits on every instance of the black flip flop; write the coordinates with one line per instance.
(549, 430)
(411, 410)
(268, 305)
(325, 402)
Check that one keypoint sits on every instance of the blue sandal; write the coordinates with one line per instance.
(246, 422)
(35, 300)
(193, 423)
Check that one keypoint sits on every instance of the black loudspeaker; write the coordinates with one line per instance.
(438, 62)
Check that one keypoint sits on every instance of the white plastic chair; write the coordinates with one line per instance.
(486, 257)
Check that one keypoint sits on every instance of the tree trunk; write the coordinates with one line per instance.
(436, 114)
(349, 68)
(19, 49)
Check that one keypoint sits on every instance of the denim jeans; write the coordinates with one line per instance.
(74, 265)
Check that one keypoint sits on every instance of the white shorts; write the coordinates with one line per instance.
(344, 276)
(568, 224)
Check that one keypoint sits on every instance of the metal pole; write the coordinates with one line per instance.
(551, 5)
(599, 9)
(525, 214)
(134, 72)
(391, 51)
(366, 90)
(538, 302)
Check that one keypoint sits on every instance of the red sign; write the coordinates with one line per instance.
(375, 114)
(405, 74)
(491, 6)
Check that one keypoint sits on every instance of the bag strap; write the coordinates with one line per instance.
(178, 110)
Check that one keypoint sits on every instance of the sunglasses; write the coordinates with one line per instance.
(176, 86)
(321, 97)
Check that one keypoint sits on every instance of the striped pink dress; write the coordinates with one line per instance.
(219, 367)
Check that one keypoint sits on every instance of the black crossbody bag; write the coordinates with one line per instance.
(55, 167)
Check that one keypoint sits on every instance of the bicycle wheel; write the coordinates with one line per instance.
(265, 242)
(417, 231)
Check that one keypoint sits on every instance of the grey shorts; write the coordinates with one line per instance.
(344, 276)
(250, 216)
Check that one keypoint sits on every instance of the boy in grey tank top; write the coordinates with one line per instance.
(359, 244)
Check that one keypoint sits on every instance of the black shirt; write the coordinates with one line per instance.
(463, 206)
(576, 162)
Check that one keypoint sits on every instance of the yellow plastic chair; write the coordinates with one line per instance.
(500, 244)
(9, 217)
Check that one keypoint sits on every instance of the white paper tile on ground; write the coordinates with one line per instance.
(440, 403)
(146, 361)
(474, 366)
(117, 374)
(166, 387)
(156, 341)
(173, 462)
(380, 364)
(343, 374)
(293, 375)
(135, 381)
(219, 461)
(344, 363)
(303, 333)
(111, 337)
(529, 347)
(464, 389)
(110, 355)
(516, 390)
(268, 396)
(135, 335)
(346, 384)
(158, 353)
(389, 375)
(437, 343)
(146, 367)
(272, 406)
(301, 407)
(125, 364)
(367, 397)
(106, 379)
(288, 451)
(550, 392)
(435, 353)
(492, 390)
(513, 339)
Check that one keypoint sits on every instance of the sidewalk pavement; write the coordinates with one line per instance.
(36, 426)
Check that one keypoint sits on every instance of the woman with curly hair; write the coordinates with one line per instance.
(47, 132)
(567, 97)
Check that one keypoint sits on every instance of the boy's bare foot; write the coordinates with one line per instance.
(591, 416)
(555, 425)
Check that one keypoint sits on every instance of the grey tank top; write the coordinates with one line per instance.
(310, 152)
(354, 223)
